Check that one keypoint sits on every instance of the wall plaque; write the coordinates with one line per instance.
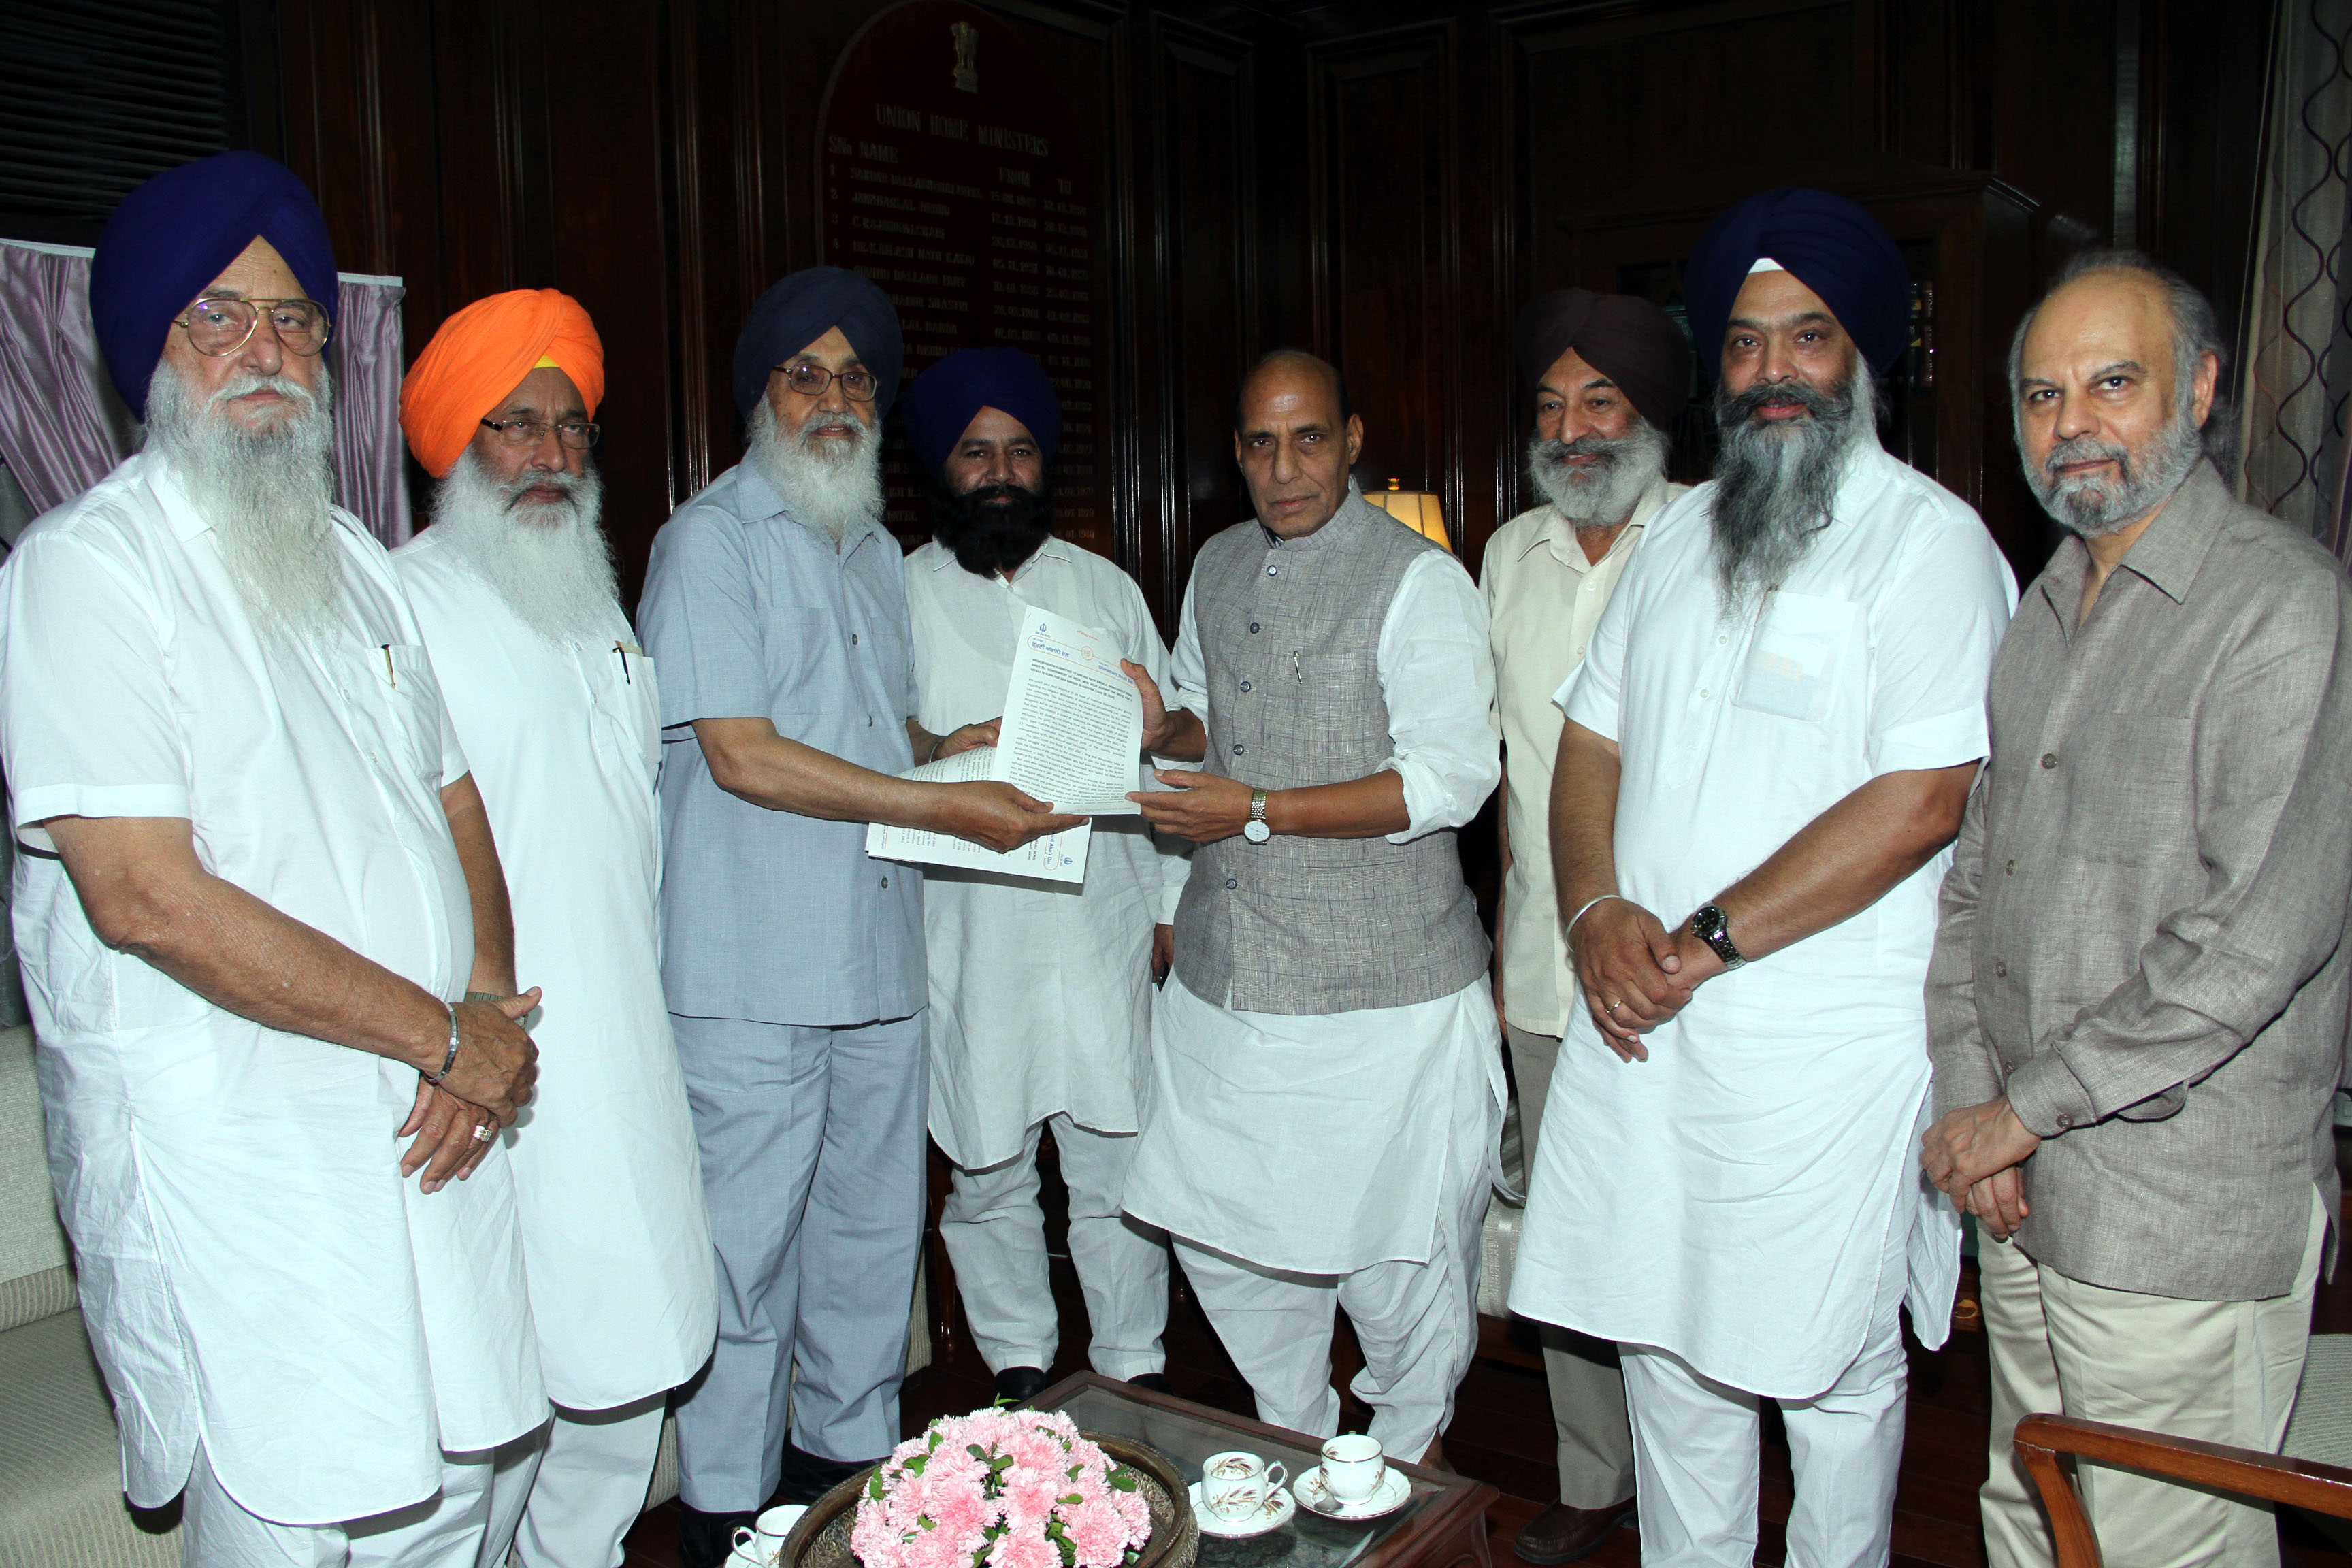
(950, 175)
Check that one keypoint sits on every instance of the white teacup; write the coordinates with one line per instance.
(1235, 1484)
(1352, 1466)
(759, 1542)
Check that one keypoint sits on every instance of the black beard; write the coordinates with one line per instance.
(994, 528)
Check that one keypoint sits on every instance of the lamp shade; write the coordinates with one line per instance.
(1417, 510)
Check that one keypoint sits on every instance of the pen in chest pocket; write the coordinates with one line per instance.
(388, 673)
(1297, 674)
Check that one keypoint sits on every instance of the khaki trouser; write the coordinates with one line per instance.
(2224, 1372)
(1588, 1391)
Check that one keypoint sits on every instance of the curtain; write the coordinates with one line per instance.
(2297, 377)
(62, 428)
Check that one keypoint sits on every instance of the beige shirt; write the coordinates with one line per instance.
(1543, 599)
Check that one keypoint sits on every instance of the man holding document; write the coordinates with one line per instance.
(1040, 977)
(793, 962)
(1326, 1064)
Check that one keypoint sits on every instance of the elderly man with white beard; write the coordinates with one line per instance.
(258, 889)
(2138, 1001)
(558, 711)
(1776, 724)
(776, 606)
(1609, 373)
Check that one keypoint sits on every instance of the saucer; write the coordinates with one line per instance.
(1387, 1498)
(1272, 1514)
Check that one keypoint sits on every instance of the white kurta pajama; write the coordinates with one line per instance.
(565, 743)
(1041, 992)
(1302, 1161)
(273, 1305)
(1741, 1211)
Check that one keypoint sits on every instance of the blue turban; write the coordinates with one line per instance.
(1830, 246)
(802, 307)
(944, 399)
(175, 234)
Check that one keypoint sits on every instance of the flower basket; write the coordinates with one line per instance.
(822, 1538)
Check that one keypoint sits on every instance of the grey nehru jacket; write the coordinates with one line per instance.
(768, 915)
(2142, 939)
(1290, 633)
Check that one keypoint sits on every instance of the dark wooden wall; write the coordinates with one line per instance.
(1382, 181)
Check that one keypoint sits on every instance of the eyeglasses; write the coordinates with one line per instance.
(218, 326)
(576, 434)
(810, 380)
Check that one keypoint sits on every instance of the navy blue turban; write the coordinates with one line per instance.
(945, 397)
(1622, 336)
(178, 232)
(802, 307)
(1830, 244)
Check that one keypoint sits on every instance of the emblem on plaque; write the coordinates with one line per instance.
(967, 61)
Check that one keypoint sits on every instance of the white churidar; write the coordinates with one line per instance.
(252, 1265)
(574, 1475)
(565, 743)
(1728, 1199)
(1041, 994)
(448, 1530)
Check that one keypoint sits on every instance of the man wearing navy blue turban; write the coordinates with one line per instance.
(264, 923)
(1770, 744)
(776, 610)
(1041, 1003)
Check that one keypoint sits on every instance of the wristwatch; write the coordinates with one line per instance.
(1713, 928)
(1255, 830)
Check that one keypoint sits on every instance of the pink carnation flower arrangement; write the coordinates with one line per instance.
(1000, 1489)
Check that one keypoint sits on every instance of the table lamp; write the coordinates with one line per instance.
(1417, 510)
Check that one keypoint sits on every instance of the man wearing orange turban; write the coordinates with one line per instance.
(513, 586)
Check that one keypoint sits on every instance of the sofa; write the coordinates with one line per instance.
(61, 1503)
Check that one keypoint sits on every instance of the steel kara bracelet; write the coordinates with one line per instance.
(451, 1059)
(1569, 929)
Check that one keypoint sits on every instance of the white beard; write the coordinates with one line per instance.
(548, 561)
(832, 483)
(266, 494)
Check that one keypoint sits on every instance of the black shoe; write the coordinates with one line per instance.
(805, 1476)
(1157, 1382)
(1015, 1383)
(706, 1540)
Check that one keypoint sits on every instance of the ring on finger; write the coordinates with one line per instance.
(481, 1133)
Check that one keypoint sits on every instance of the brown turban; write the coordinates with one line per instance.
(1625, 338)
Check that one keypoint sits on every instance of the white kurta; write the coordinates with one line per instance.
(1041, 992)
(565, 743)
(1324, 1142)
(253, 1267)
(1731, 1199)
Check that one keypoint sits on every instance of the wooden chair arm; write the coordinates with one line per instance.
(2040, 1439)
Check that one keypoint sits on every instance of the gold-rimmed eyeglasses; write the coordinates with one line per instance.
(218, 326)
(859, 383)
(576, 434)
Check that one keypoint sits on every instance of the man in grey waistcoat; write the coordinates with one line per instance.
(2137, 1005)
(1327, 1077)
(775, 611)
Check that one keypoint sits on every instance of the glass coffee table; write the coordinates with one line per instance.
(1442, 1525)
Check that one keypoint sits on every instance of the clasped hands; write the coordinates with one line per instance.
(1634, 972)
(1974, 1155)
(457, 1120)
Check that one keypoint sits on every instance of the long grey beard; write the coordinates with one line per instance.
(1599, 494)
(835, 484)
(1774, 484)
(267, 493)
(2093, 506)
(546, 560)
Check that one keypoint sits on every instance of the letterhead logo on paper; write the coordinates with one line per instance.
(967, 57)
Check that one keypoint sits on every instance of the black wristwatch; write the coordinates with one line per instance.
(1711, 927)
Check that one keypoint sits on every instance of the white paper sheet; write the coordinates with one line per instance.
(1072, 734)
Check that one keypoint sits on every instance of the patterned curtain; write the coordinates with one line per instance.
(62, 428)
(2297, 378)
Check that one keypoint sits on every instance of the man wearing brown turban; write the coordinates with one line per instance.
(1609, 373)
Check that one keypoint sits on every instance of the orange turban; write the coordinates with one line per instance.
(480, 355)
